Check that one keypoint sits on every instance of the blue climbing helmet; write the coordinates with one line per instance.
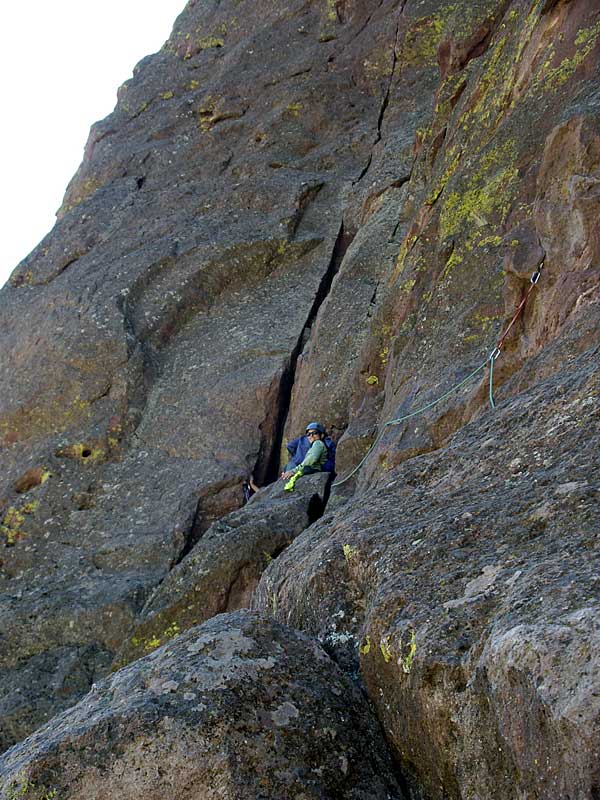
(316, 426)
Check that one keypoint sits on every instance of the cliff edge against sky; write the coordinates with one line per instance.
(314, 210)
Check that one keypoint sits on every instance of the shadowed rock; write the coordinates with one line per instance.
(149, 341)
(222, 570)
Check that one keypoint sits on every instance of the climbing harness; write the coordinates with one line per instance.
(489, 361)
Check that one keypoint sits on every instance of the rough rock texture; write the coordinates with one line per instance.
(148, 342)
(465, 588)
(237, 708)
(328, 210)
(223, 569)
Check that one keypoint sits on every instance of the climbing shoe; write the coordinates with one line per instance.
(289, 487)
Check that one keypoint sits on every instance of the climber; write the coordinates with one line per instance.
(313, 452)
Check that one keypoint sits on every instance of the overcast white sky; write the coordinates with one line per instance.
(61, 62)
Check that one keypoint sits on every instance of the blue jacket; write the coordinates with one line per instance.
(299, 447)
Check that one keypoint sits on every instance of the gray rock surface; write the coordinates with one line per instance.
(327, 210)
(463, 587)
(240, 707)
(221, 572)
(148, 343)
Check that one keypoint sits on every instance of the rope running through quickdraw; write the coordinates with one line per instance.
(489, 361)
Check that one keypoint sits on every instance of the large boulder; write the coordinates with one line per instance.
(240, 707)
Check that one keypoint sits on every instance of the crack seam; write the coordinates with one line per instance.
(386, 98)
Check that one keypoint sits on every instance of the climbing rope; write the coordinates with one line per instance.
(496, 351)
(489, 361)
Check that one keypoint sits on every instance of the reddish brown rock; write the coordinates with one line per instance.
(464, 588)
(149, 342)
(331, 211)
(30, 479)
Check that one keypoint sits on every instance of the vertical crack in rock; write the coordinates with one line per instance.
(267, 465)
(386, 99)
(266, 469)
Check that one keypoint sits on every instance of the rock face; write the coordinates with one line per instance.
(464, 588)
(237, 708)
(327, 210)
(149, 341)
(223, 569)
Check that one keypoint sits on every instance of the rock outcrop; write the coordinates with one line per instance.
(237, 708)
(149, 342)
(464, 588)
(327, 210)
(222, 571)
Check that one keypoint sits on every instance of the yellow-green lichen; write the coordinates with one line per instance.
(349, 552)
(86, 452)
(172, 631)
(208, 42)
(331, 10)
(365, 649)
(86, 188)
(421, 41)
(379, 64)
(386, 650)
(586, 40)
(11, 527)
(448, 91)
(484, 321)
(372, 380)
(405, 248)
(454, 259)
(494, 241)
(405, 662)
(212, 111)
(294, 109)
(485, 200)
(147, 644)
(22, 788)
(22, 278)
(453, 159)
